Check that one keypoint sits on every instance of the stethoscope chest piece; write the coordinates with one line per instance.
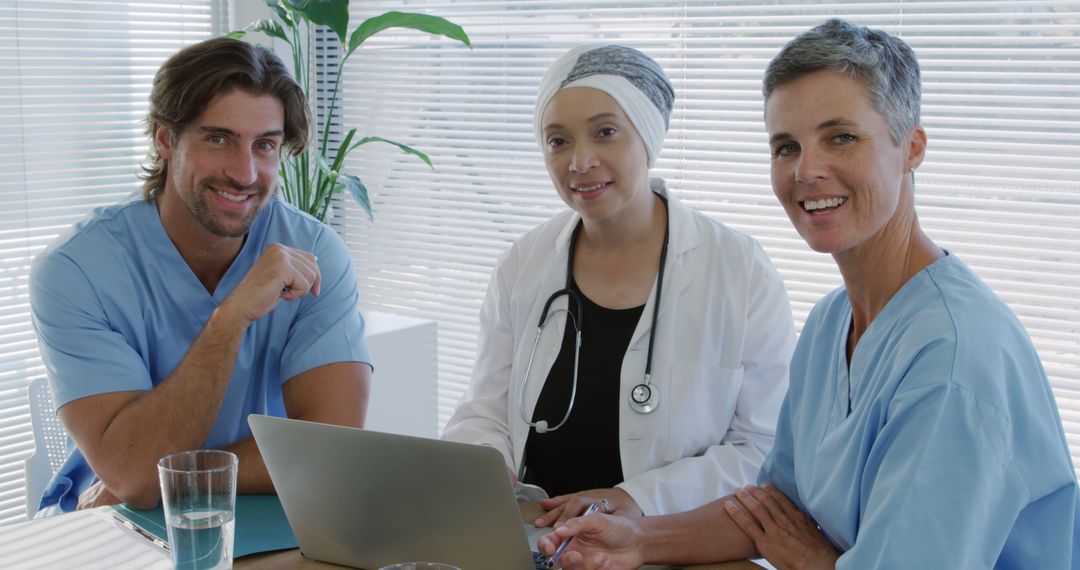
(644, 398)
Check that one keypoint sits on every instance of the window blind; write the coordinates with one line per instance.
(74, 81)
(1001, 104)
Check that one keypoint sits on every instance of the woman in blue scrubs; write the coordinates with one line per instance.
(920, 430)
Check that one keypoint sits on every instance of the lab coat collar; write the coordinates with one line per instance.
(682, 237)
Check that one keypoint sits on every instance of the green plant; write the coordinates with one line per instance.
(309, 180)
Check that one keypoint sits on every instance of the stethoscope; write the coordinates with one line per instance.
(644, 397)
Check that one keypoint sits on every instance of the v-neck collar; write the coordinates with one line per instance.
(851, 374)
(180, 273)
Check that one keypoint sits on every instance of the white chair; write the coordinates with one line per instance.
(51, 444)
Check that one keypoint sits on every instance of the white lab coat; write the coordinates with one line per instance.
(723, 341)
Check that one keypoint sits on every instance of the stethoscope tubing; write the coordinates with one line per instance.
(641, 407)
(528, 368)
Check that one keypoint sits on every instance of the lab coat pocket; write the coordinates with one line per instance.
(703, 403)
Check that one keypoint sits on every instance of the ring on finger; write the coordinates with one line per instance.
(606, 505)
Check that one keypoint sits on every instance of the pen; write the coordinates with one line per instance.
(562, 547)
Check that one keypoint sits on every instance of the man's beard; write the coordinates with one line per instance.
(203, 212)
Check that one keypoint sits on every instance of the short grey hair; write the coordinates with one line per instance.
(885, 65)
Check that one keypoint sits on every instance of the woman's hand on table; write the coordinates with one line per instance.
(783, 534)
(562, 508)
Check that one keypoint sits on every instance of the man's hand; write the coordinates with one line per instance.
(280, 273)
(785, 536)
(564, 507)
(96, 495)
(600, 542)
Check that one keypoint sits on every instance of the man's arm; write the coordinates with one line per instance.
(332, 394)
(123, 434)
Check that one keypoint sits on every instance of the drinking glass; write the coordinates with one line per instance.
(198, 494)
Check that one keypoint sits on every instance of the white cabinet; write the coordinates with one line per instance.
(404, 397)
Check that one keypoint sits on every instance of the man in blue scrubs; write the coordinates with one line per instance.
(164, 320)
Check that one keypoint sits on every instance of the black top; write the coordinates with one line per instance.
(584, 453)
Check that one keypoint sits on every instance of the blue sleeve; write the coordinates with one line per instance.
(779, 467)
(329, 327)
(69, 482)
(939, 489)
(83, 354)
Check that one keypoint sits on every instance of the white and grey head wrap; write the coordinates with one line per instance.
(630, 77)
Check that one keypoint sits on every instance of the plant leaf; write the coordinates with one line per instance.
(283, 11)
(333, 14)
(420, 22)
(270, 28)
(323, 165)
(359, 193)
(404, 148)
(343, 149)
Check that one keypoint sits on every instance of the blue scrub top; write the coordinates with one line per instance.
(952, 454)
(116, 307)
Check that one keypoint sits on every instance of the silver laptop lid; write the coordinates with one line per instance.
(369, 499)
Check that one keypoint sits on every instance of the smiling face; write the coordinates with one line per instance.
(595, 156)
(223, 167)
(835, 168)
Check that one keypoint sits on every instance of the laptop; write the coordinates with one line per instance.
(369, 499)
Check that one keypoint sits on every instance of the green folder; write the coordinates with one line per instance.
(261, 525)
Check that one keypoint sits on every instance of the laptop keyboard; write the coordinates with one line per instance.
(540, 560)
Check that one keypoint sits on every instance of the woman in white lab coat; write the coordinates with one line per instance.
(592, 423)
